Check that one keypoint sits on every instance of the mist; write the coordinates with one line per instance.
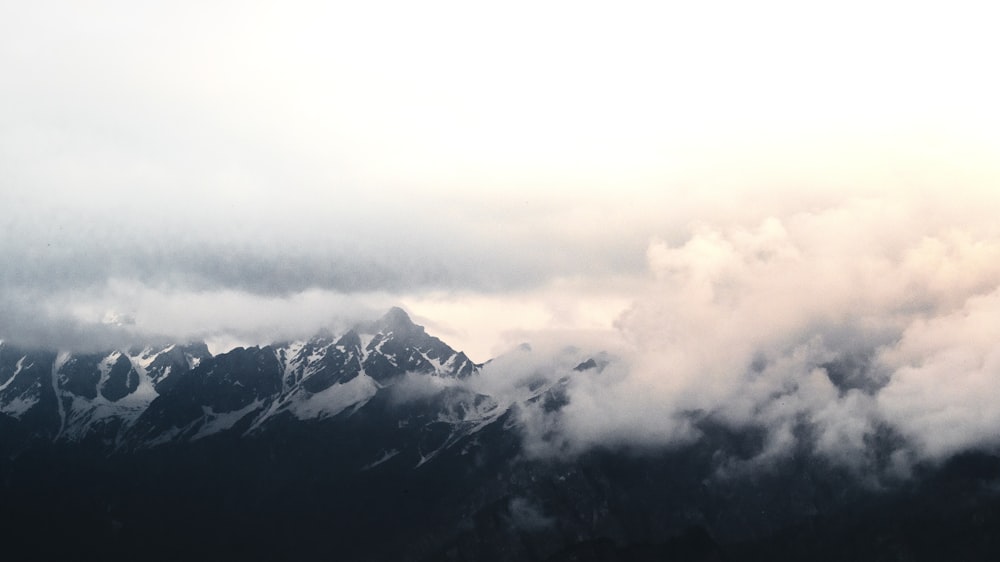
(831, 329)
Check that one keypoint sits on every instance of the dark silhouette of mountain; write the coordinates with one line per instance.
(375, 444)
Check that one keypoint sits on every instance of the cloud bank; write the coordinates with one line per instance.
(834, 329)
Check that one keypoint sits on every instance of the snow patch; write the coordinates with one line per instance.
(105, 369)
(143, 359)
(61, 358)
(216, 422)
(388, 455)
(333, 400)
(366, 340)
(84, 414)
(17, 369)
(18, 406)
(439, 367)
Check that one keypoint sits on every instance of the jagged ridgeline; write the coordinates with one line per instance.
(384, 443)
(143, 397)
(369, 439)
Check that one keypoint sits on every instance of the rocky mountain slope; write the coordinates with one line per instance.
(145, 397)
(383, 443)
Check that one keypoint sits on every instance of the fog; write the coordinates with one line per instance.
(868, 317)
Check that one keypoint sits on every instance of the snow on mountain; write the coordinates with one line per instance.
(83, 395)
(320, 378)
(15, 404)
(332, 400)
(391, 370)
(324, 376)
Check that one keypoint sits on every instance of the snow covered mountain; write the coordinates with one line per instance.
(150, 396)
(384, 443)
(64, 396)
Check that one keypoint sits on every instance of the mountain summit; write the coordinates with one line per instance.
(395, 320)
(148, 396)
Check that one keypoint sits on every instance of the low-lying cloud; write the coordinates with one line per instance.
(839, 330)
(862, 329)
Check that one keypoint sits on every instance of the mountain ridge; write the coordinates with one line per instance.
(383, 443)
(149, 395)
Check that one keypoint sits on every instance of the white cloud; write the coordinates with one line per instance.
(844, 321)
(946, 377)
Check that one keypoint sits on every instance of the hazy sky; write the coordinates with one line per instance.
(246, 170)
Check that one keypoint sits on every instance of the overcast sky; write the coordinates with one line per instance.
(246, 170)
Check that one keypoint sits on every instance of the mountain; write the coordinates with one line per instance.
(145, 397)
(384, 443)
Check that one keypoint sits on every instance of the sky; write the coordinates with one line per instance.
(572, 171)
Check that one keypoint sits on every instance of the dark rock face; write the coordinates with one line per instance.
(341, 363)
(26, 393)
(122, 379)
(80, 375)
(400, 346)
(217, 386)
(174, 359)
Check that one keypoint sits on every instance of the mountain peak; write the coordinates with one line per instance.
(395, 320)
(396, 315)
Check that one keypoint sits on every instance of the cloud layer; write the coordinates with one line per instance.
(449, 154)
(779, 216)
(831, 329)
